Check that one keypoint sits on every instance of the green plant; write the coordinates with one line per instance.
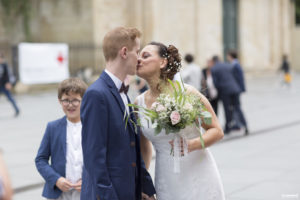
(12, 10)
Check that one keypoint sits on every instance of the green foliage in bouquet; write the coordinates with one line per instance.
(175, 110)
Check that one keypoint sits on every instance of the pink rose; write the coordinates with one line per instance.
(175, 117)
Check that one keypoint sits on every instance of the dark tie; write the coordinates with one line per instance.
(124, 88)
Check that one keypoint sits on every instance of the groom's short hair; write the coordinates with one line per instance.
(118, 38)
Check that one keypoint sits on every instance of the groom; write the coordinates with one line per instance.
(113, 167)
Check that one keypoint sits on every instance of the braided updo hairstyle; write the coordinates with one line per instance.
(173, 57)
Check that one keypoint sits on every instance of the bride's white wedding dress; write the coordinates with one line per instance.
(198, 179)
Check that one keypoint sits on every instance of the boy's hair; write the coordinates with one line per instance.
(75, 85)
(117, 38)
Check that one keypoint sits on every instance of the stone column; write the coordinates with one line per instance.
(209, 29)
(295, 40)
(264, 33)
(106, 16)
(193, 26)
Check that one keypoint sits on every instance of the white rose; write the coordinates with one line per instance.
(160, 108)
(154, 105)
(188, 106)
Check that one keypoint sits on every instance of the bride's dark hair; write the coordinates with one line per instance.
(173, 57)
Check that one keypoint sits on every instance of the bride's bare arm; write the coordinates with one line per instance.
(213, 131)
(146, 147)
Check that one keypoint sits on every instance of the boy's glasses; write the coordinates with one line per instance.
(66, 102)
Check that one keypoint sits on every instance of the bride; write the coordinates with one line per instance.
(199, 178)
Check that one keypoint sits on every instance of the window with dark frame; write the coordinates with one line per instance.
(297, 12)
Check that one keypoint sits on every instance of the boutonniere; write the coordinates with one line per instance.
(128, 119)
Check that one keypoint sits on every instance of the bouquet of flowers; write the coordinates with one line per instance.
(175, 110)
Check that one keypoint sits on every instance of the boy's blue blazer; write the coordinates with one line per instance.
(53, 146)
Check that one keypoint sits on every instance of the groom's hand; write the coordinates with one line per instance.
(146, 197)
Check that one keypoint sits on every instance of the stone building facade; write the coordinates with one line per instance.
(261, 30)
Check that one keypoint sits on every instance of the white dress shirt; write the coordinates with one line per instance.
(74, 158)
(118, 84)
(213, 92)
(191, 75)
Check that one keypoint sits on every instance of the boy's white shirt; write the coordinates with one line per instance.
(74, 157)
(70, 195)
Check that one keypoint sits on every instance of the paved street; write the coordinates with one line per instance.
(262, 166)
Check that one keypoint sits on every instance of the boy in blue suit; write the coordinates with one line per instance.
(62, 144)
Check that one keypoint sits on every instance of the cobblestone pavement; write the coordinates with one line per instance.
(262, 166)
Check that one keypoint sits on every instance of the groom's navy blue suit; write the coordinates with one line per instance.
(113, 167)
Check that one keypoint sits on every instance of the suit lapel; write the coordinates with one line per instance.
(113, 89)
(63, 133)
(116, 94)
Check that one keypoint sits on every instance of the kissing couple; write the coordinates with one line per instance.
(116, 156)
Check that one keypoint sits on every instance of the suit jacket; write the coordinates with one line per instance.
(53, 146)
(4, 75)
(224, 79)
(113, 167)
(239, 75)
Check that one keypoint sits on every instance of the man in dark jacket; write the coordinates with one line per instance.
(5, 85)
(228, 89)
(239, 77)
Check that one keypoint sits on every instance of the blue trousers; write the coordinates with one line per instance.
(9, 97)
(233, 111)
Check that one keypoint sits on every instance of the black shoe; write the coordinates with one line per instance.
(227, 131)
(246, 131)
(17, 113)
(235, 128)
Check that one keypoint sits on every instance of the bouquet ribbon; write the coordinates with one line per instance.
(180, 149)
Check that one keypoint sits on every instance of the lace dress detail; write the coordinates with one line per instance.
(199, 178)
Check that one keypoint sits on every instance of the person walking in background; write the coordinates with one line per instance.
(5, 84)
(191, 73)
(238, 74)
(62, 144)
(208, 88)
(285, 68)
(228, 89)
(6, 191)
